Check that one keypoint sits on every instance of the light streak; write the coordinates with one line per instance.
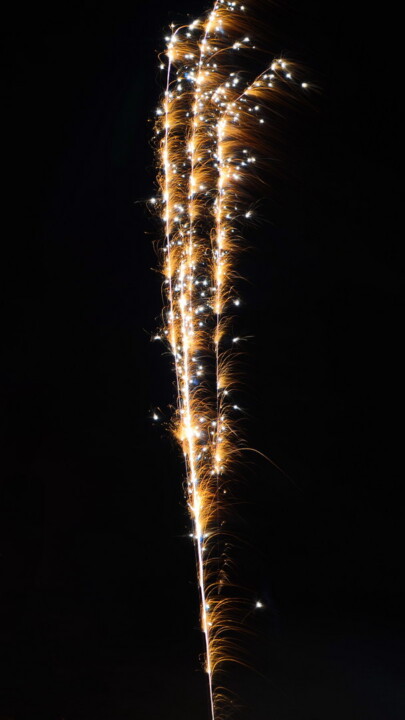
(209, 133)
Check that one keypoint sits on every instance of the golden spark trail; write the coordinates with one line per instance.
(198, 107)
(208, 131)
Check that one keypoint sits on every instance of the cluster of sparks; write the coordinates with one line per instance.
(209, 133)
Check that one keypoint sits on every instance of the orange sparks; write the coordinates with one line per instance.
(210, 130)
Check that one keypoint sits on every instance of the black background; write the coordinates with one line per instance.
(99, 615)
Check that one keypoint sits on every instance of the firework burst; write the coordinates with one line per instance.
(210, 132)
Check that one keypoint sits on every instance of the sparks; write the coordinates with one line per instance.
(208, 133)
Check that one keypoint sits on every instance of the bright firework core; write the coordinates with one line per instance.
(210, 131)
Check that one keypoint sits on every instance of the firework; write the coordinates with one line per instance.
(210, 130)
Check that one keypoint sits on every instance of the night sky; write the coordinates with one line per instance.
(98, 600)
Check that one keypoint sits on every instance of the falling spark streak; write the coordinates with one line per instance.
(208, 127)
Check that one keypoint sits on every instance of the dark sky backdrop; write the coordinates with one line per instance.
(98, 610)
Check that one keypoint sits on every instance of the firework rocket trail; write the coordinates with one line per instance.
(208, 131)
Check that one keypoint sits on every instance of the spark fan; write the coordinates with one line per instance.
(216, 116)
